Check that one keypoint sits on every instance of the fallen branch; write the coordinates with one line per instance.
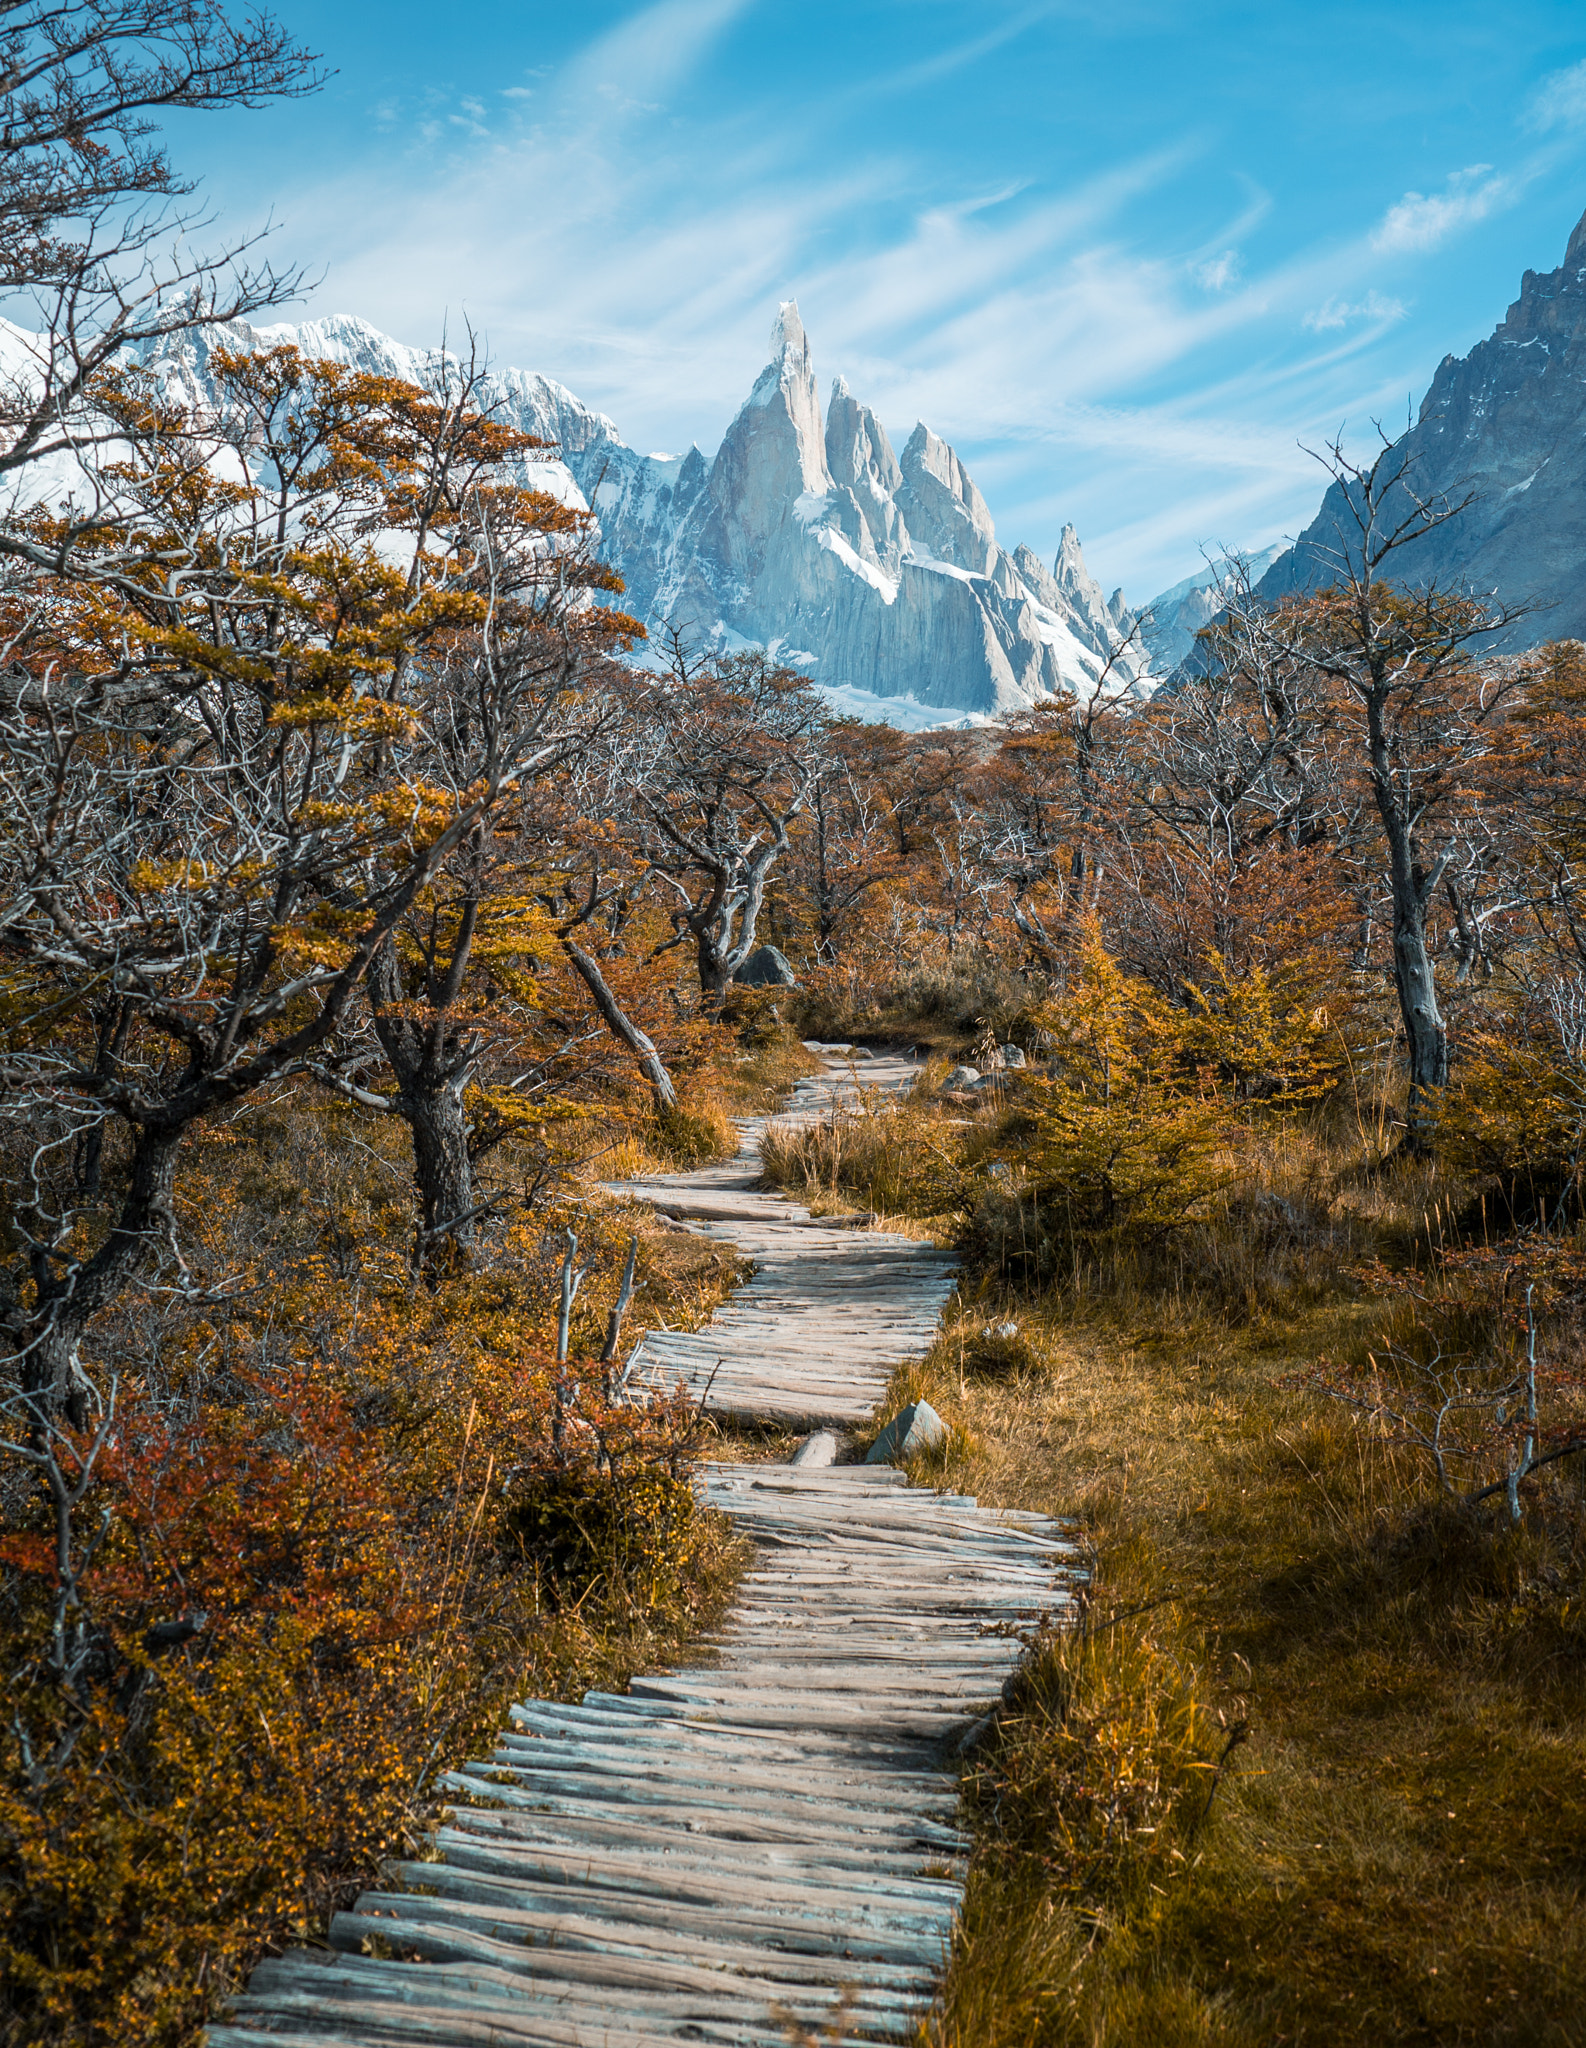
(622, 1027)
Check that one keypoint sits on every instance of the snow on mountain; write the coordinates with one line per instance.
(874, 572)
(1171, 621)
(1503, 427)
(880, 575)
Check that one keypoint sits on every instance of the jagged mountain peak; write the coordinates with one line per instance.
(1505, 425)
(946, 516)
(879, 575)
(777, 440)
(789, 343)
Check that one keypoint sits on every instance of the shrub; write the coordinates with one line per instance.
(1514, 1113)
(1267, 1033)
(693, 1132)
(304, 1573)
(1119, 1131)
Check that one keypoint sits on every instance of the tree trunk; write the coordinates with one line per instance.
(67, 1301)
(1414, 976)
(622, 1027)
(715, 972)
(441, 1166)
(1416, 984)
(431, 1064)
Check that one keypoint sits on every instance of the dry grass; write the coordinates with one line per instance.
(1393, 1683)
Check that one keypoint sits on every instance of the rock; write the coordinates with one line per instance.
(1012, 1056)
(962, 1077)
(985, 1081)
(1504, 426)
(872, 573)
(819, 1449)
(912, 1430)
(765, 968)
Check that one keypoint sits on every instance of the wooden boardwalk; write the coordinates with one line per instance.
(760, 1843)
(831, 1309)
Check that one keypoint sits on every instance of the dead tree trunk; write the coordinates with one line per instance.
(621, 1026)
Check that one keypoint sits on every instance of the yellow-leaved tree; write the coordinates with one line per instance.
(1267, 1033)
(1126, 1131)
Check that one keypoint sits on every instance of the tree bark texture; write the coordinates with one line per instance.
(1414, 975)
(622, 1027)
(431, 1060)
(66, 1301)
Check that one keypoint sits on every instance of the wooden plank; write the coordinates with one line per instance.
(771, 1829)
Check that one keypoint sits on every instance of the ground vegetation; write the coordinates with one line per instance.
(372, 902)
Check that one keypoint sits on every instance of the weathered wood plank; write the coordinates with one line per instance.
(765, 1836)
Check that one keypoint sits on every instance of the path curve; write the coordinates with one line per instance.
(831, 1309)
(763, 1840)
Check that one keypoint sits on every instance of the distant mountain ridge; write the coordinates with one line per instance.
(871, 570)
(1507, 422)
(1169, 623)
(877, 574)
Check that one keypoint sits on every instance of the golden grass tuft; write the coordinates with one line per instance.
(1393, 1850)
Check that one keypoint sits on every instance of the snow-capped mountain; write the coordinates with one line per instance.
(871, 570)
(880, 575)
(1169, 623)
(1506, 423)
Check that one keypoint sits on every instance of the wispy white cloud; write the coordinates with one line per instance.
(1421, 221)
(1373, 307)
(652, 51)
(946, 62)
(1041, 327)
(1217, 273)
(1559, 101)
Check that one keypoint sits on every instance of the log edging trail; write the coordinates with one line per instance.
(813, 1337)
(731, 1851)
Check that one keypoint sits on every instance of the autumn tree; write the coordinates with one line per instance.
(843, 847)
(240, 756)
(96, 252)
(1226, 816)
(1415, 712)
(726, 754)
(528, 558)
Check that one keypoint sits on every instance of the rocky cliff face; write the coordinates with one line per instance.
(1508, 423)
(1170, 622)
(871, 570)
(806, 534)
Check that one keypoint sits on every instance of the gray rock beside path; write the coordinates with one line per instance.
(912, 1430)
(765, 968)
(819, 1449)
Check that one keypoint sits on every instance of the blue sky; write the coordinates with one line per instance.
(1126, 256)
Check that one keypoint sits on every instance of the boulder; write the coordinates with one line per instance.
(1011, 1056)
(962, 1077)
(819, 1449)
(913, 1429)
(765, 968)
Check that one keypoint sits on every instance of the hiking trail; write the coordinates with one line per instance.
(765, 1841)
